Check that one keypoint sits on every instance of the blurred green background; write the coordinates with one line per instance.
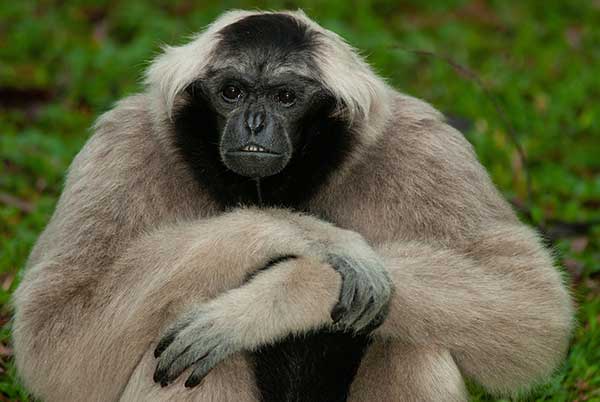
(62, 63)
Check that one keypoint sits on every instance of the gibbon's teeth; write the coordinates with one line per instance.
(253, 148)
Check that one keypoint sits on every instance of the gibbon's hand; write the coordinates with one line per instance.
(364, 295)
(196, 340)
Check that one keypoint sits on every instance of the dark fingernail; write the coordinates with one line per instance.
(157, 376)
(193, 381)
(163, 344)
(338, 312)
(159, 349)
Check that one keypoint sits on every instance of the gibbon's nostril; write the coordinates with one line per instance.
(255, 121)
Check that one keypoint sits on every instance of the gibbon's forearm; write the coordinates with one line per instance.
(294, 296)
(89, 347)
(498, 306)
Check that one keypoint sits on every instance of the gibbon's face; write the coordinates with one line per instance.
(259, 111)
(260, 116)
(260, 93)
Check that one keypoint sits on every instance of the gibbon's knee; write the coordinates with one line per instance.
(392, 371)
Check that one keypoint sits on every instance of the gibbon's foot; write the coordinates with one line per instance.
(364, 295)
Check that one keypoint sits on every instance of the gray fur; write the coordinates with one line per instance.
(134, 246)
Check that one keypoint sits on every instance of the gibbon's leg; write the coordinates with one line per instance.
(231, 380)
(394, 371)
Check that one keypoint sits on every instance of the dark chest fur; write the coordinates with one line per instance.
(315, 367)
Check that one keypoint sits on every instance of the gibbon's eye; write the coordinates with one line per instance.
(286, 97)
(231, 93)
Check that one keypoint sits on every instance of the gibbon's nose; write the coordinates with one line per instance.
(255, 121)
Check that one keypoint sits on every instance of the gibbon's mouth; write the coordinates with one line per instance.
(253, 160)
(253, 149)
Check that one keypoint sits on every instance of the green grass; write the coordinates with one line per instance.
(63, 63)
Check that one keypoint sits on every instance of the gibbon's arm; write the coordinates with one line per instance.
(128, 253)
(87, 346)
(498, 305)
(468, 276)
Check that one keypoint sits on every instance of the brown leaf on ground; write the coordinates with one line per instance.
(18, 203)
(579, 244)
(593, 286)
(583, 388)
(100, 32)
(6, 280)
(5, 351)
(41, 184)
(480, 12)
(574, 268)
(573, 36)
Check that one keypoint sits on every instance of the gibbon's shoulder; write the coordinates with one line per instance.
(419, 159)
(124, 146)
(127, 115)
(416, 131)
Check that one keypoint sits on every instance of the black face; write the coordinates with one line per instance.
(261, 116)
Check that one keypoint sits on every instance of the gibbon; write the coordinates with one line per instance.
(270, 221)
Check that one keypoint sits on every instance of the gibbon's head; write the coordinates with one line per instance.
(266, 93)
